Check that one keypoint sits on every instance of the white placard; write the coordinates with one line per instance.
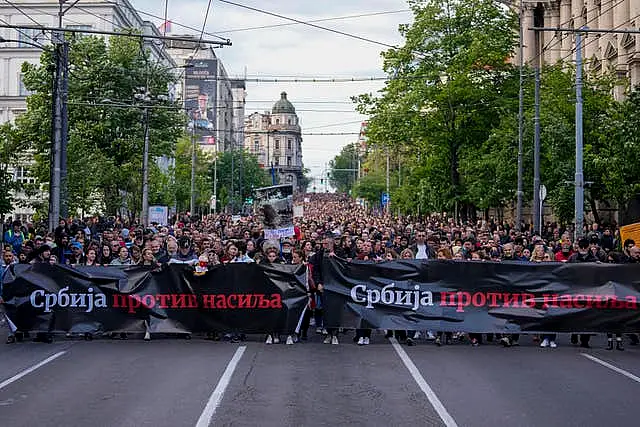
(159, 214)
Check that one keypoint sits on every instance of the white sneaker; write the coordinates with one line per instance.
(334, 340)
(361, 341)
(553, 344)
(147, 336)
(324, 331)
(327, 340)
(417, 335)
(269, 340)
(545, 343)
(289, 340)
(276, 340)
(366, 341)
(318, 330)
(430, 336)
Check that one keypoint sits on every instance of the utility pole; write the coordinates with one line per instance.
(388, 207)
(192, 206)
(536, 140)
(57, 186)
(215, 176)
(145, 171)
(579, 178)
(520, 192)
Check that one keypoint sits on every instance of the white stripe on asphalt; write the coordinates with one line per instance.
(613, 368)
(424, 386)
(216, 396)
(27, 371)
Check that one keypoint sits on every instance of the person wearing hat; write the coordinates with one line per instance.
(40, 255)
(14, 236)
(287, 250)
(77, 253)
(185, 254)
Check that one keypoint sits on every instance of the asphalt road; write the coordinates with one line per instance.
(173, 382)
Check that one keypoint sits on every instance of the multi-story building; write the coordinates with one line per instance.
(617, 52)
(210, 97)
(275, 137)
(99, 15)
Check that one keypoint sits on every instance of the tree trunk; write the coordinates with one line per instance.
(594, 209)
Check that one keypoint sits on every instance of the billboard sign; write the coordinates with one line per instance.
(200, 99)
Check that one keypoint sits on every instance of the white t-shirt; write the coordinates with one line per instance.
(422, 252)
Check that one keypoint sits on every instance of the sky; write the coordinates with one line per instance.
(298, 51)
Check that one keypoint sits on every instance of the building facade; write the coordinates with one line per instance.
(275, 137)
(210, 97)
(98, 15)
(616, 52)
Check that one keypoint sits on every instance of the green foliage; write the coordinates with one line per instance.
(240, 168)
(446, 92)
(451, 107)
(106, 121)
(9, 151)
(344, 180)
(204, 181)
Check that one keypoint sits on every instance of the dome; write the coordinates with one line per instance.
(283, 105)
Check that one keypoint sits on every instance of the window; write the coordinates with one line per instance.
(27, 36)
(289, 144)
(288, 161)
(21, 176)
(22, 90)
(277, 121)
(277, 161)
(256, 146)
(277, 144)
(289, 121)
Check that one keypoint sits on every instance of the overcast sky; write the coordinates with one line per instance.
(302, 51)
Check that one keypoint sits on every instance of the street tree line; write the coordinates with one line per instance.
(448, 119)
(106, 134)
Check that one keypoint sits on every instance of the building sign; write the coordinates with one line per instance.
(200, 99)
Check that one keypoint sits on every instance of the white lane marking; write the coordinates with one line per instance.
(613, 368)
(27, 371)
(424, 386)
(218, 392)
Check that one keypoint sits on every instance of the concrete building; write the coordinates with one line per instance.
(100, 15)
(275, 137)
(617, 52)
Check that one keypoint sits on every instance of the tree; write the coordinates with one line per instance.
(204, 181)
(617, 159)
(9, 151)
(238, 175)
(446, 90)
(343, 169)
(106, 122)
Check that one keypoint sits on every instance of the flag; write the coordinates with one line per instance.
(165, 27)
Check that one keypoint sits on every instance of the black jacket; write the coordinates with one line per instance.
(578, 257)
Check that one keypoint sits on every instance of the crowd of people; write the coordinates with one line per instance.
(332, 225)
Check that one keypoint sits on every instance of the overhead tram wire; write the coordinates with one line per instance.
(286, 24)
(188, 27)
(35, 40)
(587, 43)
(114, 33)
(546, 46)
(310, 24)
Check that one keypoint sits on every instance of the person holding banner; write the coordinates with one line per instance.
(584, 254)
(316, 262)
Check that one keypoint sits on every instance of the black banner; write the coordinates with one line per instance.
(507, 297)
(247, 298)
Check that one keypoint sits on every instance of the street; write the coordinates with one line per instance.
(173, 382)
